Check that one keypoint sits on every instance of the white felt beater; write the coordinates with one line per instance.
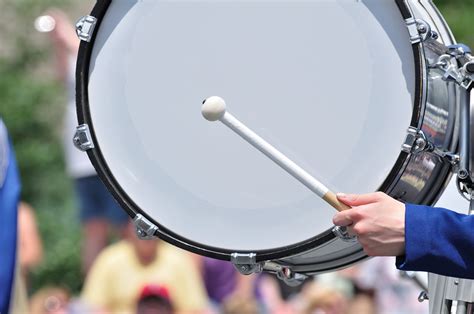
(214, 108)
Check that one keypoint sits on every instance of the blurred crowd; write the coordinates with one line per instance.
(152, 276)
(123, 274)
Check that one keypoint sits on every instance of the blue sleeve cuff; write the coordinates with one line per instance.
(417, 237)
(439, 241)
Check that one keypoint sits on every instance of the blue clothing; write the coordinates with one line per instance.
(9, 196)
(438, 241)
(96, 202)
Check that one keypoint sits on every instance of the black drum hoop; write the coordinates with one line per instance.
(132, 209)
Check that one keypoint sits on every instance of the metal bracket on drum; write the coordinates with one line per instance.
(291, 278)
(285, 274)
(82, 138)
(343, 234)
(246, 264)
(420, 30)
(85, 27)
(145, 229)
(417, 142)
(457, 65)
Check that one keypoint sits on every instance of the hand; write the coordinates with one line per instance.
(63, 35)
(377, 220)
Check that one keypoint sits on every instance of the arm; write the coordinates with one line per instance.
(65, 42)
(424, 238)
(30, 246)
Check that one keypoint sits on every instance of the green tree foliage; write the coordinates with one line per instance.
(32, 104)
(460, 16)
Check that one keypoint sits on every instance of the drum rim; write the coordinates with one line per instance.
(132, 209)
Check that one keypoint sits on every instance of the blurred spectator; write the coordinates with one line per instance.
(359, 299)
(317, 298)
(50, 300)
(97, 207)
(274, 295)
(225, 286)
(393, 294)
(123, 269)
(313, 297)
(363, 301)
(280, 298)
(220, 278)
(240, 305)
(245, 297)
(30, 247)
(154, 299)
(379, 288)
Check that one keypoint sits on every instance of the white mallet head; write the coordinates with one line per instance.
(213, 108)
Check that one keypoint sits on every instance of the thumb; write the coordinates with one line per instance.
(358, 199)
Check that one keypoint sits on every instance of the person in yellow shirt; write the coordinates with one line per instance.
(121, 270)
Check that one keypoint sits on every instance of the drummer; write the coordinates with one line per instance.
(423, 238)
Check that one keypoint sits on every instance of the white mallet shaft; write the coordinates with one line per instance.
(214, 108)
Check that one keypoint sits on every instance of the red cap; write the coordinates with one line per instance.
(152, 290)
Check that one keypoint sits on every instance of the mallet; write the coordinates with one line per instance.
(214, 108)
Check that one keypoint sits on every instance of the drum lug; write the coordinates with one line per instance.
(285, 274)
(82, 138)
(291, 278)
(460, 72)
(420, 30)
(145, 229)
(246, 264)
(343, 234)
(85, 27)
(417, 142)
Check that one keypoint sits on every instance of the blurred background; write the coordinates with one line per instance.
(31, 104)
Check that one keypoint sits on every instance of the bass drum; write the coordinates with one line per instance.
(334, 85)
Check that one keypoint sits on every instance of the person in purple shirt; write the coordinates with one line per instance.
(423, 238)
(227, 287)
(220, 279)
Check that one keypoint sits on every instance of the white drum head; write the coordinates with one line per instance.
(328, 83)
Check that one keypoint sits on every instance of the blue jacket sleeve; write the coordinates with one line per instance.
(438, 241)
(9, 194)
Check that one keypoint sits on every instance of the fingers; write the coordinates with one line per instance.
(359, 199)
(344, 218)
